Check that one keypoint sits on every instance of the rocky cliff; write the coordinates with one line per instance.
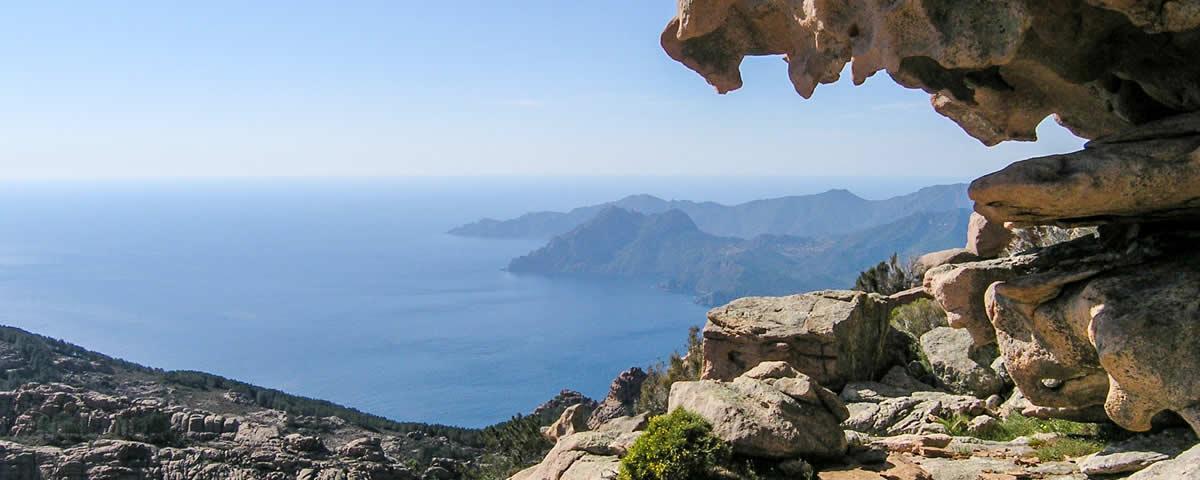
(1106, 320)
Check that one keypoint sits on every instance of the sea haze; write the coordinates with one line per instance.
(347, 290)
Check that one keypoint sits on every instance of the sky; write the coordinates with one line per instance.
(136, 89)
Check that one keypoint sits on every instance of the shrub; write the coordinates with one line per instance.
(918, 318)
(513, 445)
(887, 277)
(687, 366)
(675, 446)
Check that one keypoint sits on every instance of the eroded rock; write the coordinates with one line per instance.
(995, 68)
(1144, 174)
(573, 420)
(832, 336)
(622, 398)
(986, 238)
(1114, 327)
(1186, 465)
(1137, 453)
(760, 420)
(959, 366)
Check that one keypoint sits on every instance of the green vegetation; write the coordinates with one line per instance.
(679, 368)
(297, 405)
(39, 354)
(918, 318)
(1017, 425)
(1062, 448)
(64, 429)
(512, 446)
(886, 278)
(675, 446)
(43, 363)
(154, 428)
(914, 320)
(1075, 439)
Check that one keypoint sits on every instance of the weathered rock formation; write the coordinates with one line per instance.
(996, 68)
(1110, 321)
(573, 420)
(622, 398)
(209, 446)
(1186, 465)
(772, 411)
(898, 405)
(591, 455)
(832, 336)
(960, 367)
(1138, 453)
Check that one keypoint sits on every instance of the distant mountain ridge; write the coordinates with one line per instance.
(671, 248)
(830, 213)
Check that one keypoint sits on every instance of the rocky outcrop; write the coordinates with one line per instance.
(995, 68)
(832, 336)
(898, 405)
(1105, 321)
(622, 398)
(113, 436)
(959, 289)
(573, 420)
(929, 261)
(553, 408)
(591, 455)
(1146, 174)
(1138, 453)
(773, 411)
(119, 459)
(987, 238)
(1186, 465)
(959, 367)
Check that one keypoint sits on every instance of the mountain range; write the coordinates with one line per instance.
(672, 249)
(830, 213)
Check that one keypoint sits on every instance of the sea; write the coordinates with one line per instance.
(348, 289)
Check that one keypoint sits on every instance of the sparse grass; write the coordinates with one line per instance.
(1062, 448)
(1018, 425)
(1075, 439)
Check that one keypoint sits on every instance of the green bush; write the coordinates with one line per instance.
(675, 446)
(679, 368)
(918, 318)
(513, 445)
(887, 278)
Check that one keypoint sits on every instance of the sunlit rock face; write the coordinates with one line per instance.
(995, 67)
(1149, 173)
(1111, 320)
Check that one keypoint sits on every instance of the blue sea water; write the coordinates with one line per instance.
(346, 290)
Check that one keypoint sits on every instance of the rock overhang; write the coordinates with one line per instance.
(995, 67)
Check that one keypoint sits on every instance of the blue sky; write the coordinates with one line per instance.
(538, 87)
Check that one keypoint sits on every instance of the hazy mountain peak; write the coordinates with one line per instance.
(835, 211)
